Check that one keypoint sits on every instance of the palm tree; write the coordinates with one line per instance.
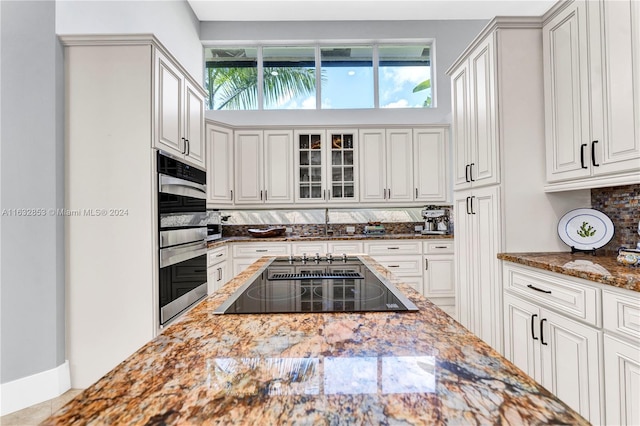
(424, 86)
(237, 87)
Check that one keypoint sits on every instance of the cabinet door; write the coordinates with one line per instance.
(464, 266)
(169, 98)
(618, 147)
(461, 144)
(399, 159)
(566, 88)
(373, 170)
(622, 381)
(194, 126)
(278, 166)
(310, 166)
(430, 160)
(483, 136)
(342, 166)
(571, 363)
(439, 276)
(487, 284)
(217, 276)
(219, 165)
(248, 167)
(522, 335)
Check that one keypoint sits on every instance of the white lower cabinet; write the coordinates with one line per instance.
(426, 266)
(217, 268)
(560, 352)
(245, 254)
(621, 322)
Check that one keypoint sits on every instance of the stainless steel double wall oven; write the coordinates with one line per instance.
(182, 235)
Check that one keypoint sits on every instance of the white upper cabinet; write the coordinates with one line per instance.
(386, 165)
(592, 94)
(403, 165)
(431, 164)
(474, 118)
(219, 151)
(179, 113)
(326, 166)
(278, 166)
(263, 167)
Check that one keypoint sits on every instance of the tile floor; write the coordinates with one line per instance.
(32, 416)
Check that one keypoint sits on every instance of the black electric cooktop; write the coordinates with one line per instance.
(316, 284)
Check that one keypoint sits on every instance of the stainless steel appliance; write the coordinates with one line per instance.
(316, 284)
(182, 235)
(436, 221)
(214, 225)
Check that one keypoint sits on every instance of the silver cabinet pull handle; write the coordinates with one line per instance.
(231, 199)
(219, 254)
(393, 266)
(261, 250)
(441, 247)
(426, 264)
(393, 248)
(219, 274)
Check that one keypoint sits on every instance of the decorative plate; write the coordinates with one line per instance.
(585, 229)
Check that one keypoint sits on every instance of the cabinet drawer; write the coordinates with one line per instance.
(258, 250)
(621, 313)
(393, 248)
(217, 255)
(403, 266)
(347, 247)
(571, 298)
(437, 247)
(310, 248)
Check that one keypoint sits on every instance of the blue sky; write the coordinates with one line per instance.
(352, 87)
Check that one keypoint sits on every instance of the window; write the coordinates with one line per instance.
(319, 77)
(231, 78)
(348, 77)
(289, 77)
(404, 76)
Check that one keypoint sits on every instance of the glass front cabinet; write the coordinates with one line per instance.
(325, 166)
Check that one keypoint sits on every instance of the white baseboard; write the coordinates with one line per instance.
(34, 389)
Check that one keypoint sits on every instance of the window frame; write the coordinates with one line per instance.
(318, 45)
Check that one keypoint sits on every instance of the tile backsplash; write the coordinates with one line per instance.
(622, 205)
(325, 221)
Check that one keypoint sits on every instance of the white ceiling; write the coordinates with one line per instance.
(363, 10)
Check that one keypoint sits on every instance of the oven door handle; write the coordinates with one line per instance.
(176, 186)
(172, 255)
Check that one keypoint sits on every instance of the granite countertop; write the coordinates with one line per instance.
(298, 238)
(602, 268)
(315, 368)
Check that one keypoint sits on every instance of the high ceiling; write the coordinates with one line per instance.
(363, 10)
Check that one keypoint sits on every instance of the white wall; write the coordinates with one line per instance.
(32, 246)
(172, 22)
(451, 38)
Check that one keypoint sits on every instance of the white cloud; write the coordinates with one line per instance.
(402, 103)
(309, 103)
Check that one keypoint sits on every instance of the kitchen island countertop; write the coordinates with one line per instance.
(602, 268)
(315, 368)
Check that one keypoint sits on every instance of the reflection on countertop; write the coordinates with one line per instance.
(336, 368)
(602, 268)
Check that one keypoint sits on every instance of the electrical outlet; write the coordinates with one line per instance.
(288, 230)
(351, 229)
(419, 228)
